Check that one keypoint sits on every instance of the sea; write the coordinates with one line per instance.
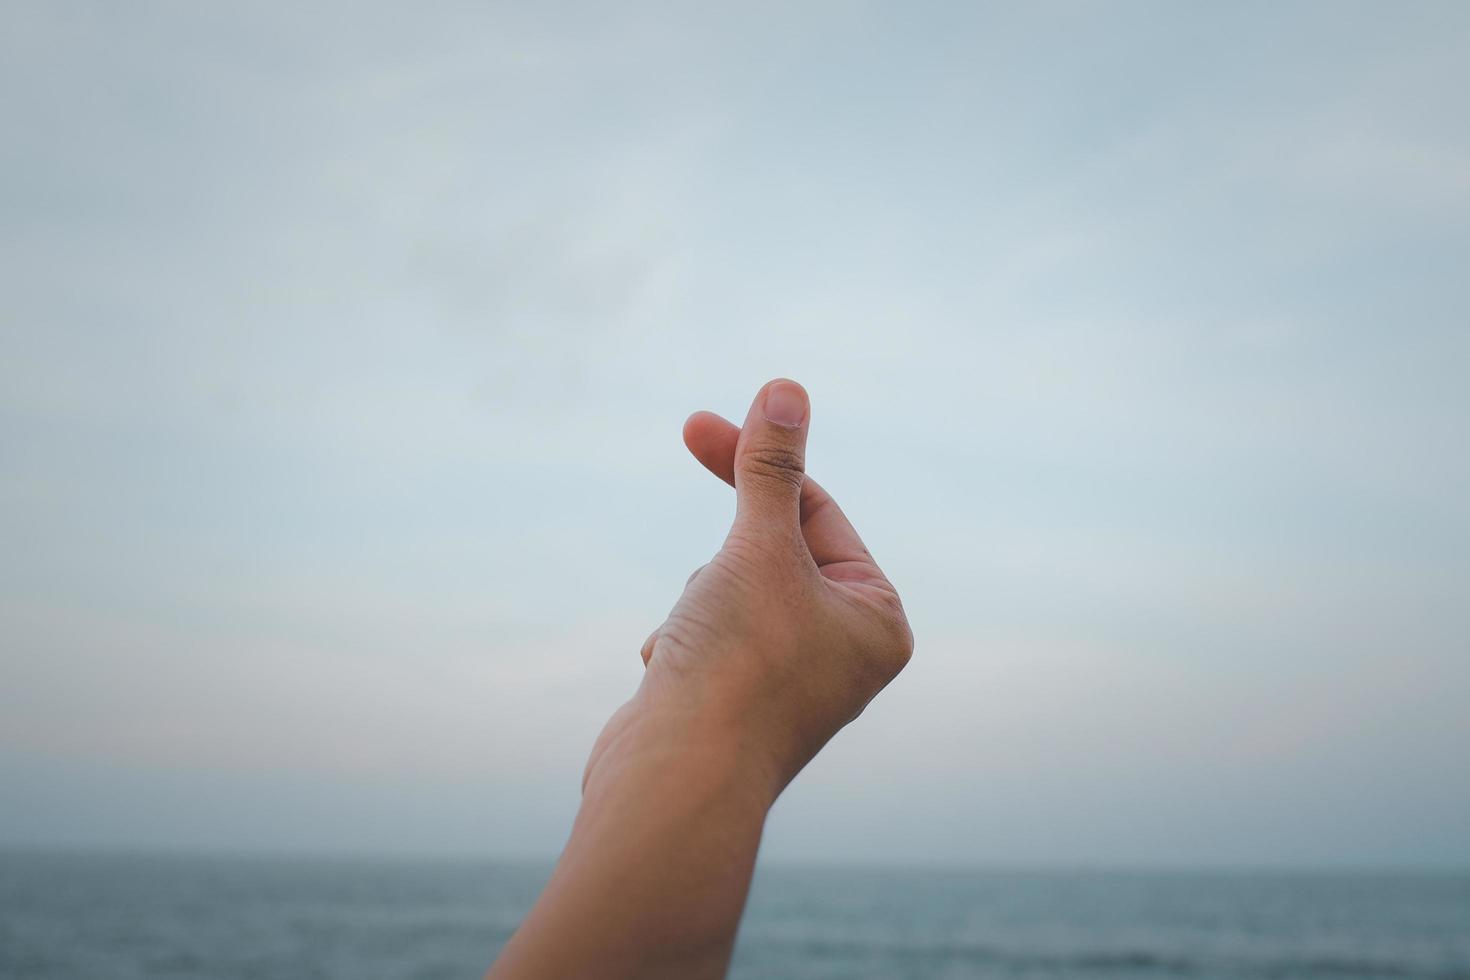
(121, 917)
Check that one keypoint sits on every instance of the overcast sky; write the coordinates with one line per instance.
(346, 349)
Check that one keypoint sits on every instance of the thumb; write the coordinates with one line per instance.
(770, 462)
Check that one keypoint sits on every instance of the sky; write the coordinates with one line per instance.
(344, 350)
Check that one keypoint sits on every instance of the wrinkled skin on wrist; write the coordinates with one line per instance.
(788, 632)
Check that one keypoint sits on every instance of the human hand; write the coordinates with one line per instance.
(777, 643)
(788, 632)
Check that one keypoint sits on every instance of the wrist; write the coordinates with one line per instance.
(706, 742)
(672, 806)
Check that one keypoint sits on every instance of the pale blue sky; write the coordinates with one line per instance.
(345, 351)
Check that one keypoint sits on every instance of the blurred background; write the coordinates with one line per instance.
(344, 350)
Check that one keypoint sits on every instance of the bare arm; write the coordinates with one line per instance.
(777, 643)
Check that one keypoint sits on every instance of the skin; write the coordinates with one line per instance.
(776, 644)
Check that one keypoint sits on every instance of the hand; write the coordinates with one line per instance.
(777, 643)
(787, 633)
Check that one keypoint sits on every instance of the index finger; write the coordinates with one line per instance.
(829, 535)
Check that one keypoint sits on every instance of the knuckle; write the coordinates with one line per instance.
(892, 605)
(897, 644)
(903, 650)
(774, 464)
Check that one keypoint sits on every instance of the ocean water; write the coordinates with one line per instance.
(296, 919)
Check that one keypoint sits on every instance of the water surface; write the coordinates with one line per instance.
(125, 917)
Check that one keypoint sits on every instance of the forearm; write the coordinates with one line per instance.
(654, 877)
